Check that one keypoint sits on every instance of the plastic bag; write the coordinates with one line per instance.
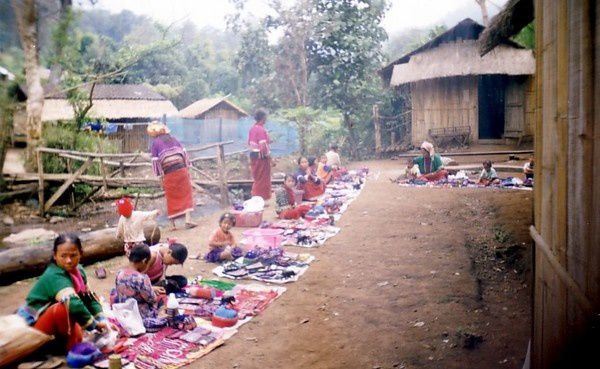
(255, 204)
(128, 315)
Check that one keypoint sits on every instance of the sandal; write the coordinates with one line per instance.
(51, 362)
(190, 225)
(30, 364)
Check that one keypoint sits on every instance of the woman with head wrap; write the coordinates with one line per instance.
(430, 164)
(170, 162)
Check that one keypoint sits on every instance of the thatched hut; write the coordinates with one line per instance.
(454, 90)
(209, 120)
(566, 293)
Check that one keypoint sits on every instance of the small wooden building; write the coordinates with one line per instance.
(454, 90)
(209, 120)
(127, 109)
(566, 294)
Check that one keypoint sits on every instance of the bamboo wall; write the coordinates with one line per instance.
(444, 102)
(515, 106)
(567, 183)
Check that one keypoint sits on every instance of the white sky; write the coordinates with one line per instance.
(403, 14)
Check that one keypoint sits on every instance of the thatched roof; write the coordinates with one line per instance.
(197, 109)
(462, 59)
(513, 18)
(467, 29)
(113, 102)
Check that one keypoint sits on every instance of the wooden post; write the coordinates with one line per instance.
(121, 169)
(220, 129)
(71, 193)
(222, 175)
(377, 124)
(68, 183)
(40, 165)
(393, 139)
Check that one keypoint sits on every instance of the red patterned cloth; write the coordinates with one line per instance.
(178, 191)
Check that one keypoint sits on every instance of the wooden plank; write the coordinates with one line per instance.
(377, 127)
(66, 185)
(222, 176)
(40, 168)
(592, 101)
(474, 153)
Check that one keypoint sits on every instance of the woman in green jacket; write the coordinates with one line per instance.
(61, 303)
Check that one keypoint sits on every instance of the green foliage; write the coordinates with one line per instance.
(526, 37)
(316, 128)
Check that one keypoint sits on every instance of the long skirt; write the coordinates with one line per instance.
(313, 190)
(55, 321)
(261, 173)
(295, 213)
(436, 176)
(178, 191)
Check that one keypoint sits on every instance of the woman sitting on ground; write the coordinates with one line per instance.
(307, 179)
(132, 282)
(285, 200)
(162, 256)
(60, 303)
(430, 164)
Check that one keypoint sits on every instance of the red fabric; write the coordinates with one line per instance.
(55, 321)
(437, 176)
(178, 191)
(258, 139)
(295, 213)
(261, 173)
(313, 190)
(77, 280)
(124, 207)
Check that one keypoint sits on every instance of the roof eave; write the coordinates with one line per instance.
(513, 18)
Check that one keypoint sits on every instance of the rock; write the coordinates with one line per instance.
(30, 237)
(87, 229)
(7, 220)
(56, 219)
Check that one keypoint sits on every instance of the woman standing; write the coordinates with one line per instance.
(60, 303)
(260, 156)
(170, 162)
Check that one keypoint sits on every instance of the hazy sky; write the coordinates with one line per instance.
(403, 14)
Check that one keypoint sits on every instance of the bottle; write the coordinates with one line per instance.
(114, 361)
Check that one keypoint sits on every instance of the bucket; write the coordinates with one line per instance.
(263, 237)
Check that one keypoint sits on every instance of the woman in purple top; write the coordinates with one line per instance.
(170, 162)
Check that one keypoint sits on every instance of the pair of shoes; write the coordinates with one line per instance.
(190, 225)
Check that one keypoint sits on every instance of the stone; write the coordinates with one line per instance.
(7, 220)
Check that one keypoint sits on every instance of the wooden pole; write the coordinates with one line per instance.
(66, 185)
(222, 175)
(40, 166)
(377, 124)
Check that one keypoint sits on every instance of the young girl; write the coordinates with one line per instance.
(324, 171)
(488, 174)
(60, 303)
(221, 242)
(131, 224)
(161, 257)
(285, 200)
(131, 282)
(307, 179)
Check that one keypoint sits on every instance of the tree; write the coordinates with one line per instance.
(346, 51)
(26, 14)
(484, 12)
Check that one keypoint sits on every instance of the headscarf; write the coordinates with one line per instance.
(156, 128)
(124, 207)
(428, 146)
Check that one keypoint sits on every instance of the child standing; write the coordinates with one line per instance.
(285, 201)
(221, 243)
(488, 174)
(131, 224)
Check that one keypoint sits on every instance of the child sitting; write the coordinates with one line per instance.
(307, 179)
(285, 200)
(324, 171)
(131, 224)
(221, 242)
(162, 256)
(528, 168)
(412, 169)
(488, 174)
(131, 282)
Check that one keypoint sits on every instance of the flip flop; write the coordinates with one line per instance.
(190, 225)
(51, 362)
(30, 364)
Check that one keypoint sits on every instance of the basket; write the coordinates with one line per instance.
(263, 237)
(247, 219)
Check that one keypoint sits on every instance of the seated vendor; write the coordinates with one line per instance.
(162, 256)
(324, 171)
(430, 164)
(60, 303)
(307, 179)
(285, 200)
(131, 282)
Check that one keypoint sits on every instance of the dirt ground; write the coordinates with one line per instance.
(417, 278)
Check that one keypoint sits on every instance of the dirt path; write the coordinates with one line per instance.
(417, 278)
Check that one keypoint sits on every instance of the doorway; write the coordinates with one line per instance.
(491, 106)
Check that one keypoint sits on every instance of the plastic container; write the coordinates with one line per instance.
(247, 219)
(263, 237)
(223, 322)
(298, 194)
